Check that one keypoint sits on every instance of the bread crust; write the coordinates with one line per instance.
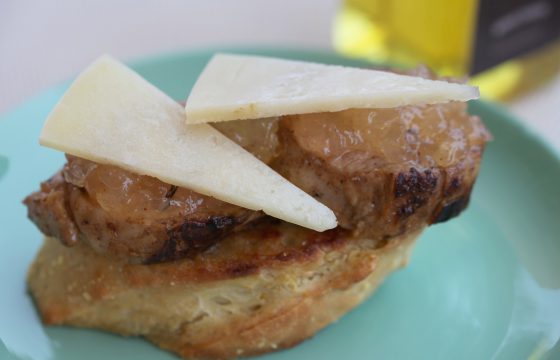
(224, 303)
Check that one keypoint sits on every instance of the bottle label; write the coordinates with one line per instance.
(510, 28)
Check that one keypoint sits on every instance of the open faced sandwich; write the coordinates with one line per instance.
(276, 200)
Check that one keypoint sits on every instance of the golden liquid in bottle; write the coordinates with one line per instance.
(439, 34)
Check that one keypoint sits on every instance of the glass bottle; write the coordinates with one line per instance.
(506, 46)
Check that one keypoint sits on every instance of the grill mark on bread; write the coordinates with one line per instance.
(269, 244)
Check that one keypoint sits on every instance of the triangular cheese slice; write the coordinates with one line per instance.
(112, 115)
(235, 87)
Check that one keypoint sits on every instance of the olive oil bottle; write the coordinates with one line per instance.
(506, 46)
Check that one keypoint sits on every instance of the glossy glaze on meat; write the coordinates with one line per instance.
(259, 137)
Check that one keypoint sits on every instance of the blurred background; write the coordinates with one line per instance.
(511, 48)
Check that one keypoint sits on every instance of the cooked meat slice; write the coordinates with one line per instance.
(48, 209)
(385, 171)
(132, 216)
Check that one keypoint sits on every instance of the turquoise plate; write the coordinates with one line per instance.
(482, 286)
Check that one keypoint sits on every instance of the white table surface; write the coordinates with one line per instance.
(43, 42)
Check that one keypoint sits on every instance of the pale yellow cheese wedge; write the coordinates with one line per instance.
(111, 115)
(235, 87)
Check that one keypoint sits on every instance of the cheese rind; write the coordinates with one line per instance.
(236, 87)
(112, 115)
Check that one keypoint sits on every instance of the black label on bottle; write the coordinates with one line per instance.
(510, 28)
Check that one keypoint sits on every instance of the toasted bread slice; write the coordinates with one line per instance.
(267, 288)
